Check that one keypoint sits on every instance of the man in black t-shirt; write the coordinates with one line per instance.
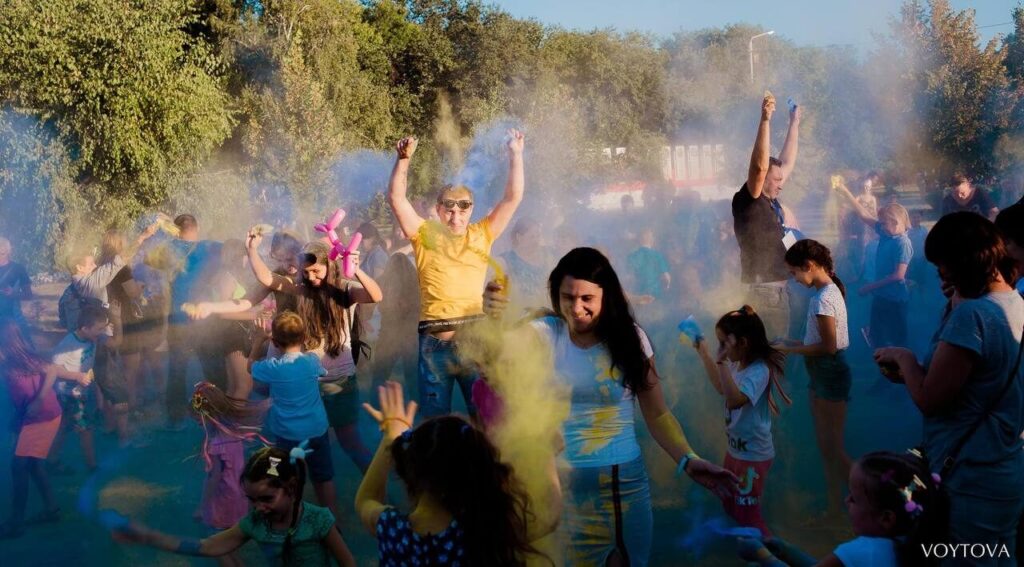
(758, 220)
(964, 196)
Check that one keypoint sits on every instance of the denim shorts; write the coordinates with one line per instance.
(341, 401)
(830, 376)
(78, 403)
(319, 465)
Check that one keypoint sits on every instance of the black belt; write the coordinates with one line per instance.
(425, 327)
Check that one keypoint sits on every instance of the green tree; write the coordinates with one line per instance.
(38, 198)
(953, 86)
(135, 98)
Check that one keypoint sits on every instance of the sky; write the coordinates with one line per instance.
(805, 22)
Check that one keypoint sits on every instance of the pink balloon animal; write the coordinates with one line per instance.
(329, 229)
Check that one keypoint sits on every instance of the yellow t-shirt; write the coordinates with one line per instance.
(452, 269)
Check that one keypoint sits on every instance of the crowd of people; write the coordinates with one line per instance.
(280, 345)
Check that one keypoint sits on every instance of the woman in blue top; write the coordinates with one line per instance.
(972, 376)
(607, 360)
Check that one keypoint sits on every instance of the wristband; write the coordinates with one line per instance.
(189, 547)
(681, 467)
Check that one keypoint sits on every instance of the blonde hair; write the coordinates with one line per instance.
(448, 190)
(5, 244)
(896, 212)
(112, 245)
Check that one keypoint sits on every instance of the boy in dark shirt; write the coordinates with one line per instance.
(964, 196)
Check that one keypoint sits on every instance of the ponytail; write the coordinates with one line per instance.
(286, 548)
(744, 323)
(839, 283)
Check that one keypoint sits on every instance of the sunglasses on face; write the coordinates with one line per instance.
(450, 204)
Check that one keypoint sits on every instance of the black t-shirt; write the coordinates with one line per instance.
(979, 203)
(12, 276)
(759, 234)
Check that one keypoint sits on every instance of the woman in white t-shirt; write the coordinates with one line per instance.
(607, 361)
(745, 373)
(825, 341)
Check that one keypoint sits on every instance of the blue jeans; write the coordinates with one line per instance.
(986, 506)
(439, 369)
(610, 513)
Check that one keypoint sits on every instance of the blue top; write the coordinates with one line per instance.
(990, 463)
(197, 261)
(399, 546)
(307, 545)
(892, 251)
(600, 430)
(647, 265)
(297, 413)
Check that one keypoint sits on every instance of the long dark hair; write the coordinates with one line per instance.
(16, 354)
(616, 326)
(972, 252)
(745, 324)
(289, 477)
(323, 307)
(889, 476)
(804, 251)
(455, 463)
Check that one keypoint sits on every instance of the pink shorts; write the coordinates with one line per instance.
(35, 439)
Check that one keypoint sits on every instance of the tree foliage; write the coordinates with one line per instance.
(117, 107)
(133, 97)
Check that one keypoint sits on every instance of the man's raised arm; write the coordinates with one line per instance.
(759, 161)
(789, 148)
(405, 214)
(501, 215)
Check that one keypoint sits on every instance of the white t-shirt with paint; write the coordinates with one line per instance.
(827, 301)
(749, 428)
(600, 430)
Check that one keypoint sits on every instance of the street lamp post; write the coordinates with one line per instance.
(750, 51)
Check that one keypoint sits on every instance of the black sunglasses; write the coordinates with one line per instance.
(450, 204)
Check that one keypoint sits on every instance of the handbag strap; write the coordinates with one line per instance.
(950, 460)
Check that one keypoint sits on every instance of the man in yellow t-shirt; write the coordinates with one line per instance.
(452, 256)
